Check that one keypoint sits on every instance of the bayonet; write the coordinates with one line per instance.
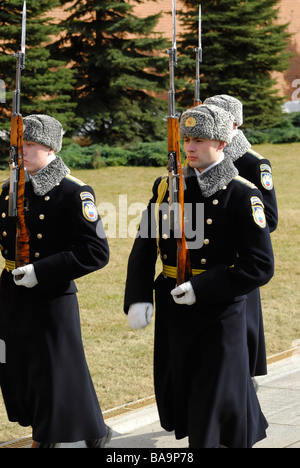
(198, 50)
(23, 37)
(20, 56)
(173, 63)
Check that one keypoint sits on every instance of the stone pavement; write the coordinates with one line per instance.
(279, 396)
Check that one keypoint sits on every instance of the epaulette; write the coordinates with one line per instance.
(243, 181)
(3, 184)
(76, 181)
(254, 153)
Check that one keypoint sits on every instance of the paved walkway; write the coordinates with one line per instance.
(279, 396)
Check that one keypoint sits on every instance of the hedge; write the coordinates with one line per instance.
(95, 156)
(155, 154)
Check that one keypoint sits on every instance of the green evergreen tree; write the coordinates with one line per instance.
(46, 82)
(242, 46)
(119, 68)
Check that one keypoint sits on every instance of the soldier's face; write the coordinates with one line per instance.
(36, 156)
(202, 153)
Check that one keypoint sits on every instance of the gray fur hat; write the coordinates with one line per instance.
(43, 129)
(208, 122)
(228, 103)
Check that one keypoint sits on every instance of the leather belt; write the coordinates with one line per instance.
(171, 272)
(10, 265)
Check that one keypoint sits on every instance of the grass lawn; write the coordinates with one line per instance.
(120, 359)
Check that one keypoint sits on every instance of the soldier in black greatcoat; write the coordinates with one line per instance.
(258, 170)
(201, 363)
(45, 381)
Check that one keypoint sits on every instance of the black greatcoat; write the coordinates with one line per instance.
(258, 170)
(201, 364)
(46, 382)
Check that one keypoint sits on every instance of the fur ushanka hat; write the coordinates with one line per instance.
(208, 122)
(228, 103)
(43, 129)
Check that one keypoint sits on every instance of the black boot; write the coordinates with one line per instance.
(100, 443)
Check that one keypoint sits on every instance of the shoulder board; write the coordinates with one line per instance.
(255, 154)
(162, 189)
(161, 192)
(76, 181)
(243, 181)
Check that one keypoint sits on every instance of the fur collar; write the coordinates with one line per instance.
(238, 147)
(216, 178)
(47, 178)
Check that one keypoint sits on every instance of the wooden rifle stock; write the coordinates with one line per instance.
(176, 189)
(17, 191)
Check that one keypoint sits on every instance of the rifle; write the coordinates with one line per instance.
(16, 207)
(198, 50)
(176, 182)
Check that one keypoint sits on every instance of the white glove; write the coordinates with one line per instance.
(140, 314)
(28, 279)
(186, 291)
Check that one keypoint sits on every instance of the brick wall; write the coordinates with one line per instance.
(289, 13)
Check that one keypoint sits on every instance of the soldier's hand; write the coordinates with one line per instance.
(25, 276)
(140, 314)
(184, 294)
